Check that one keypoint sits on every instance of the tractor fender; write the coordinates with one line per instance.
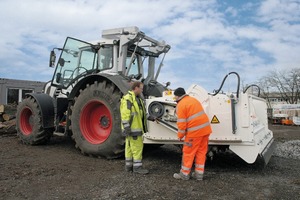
(120, 81)
(46, 105)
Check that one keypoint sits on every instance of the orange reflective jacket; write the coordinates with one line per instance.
(192, 121)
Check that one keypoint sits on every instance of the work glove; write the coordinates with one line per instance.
(151, 118)
(126, 131)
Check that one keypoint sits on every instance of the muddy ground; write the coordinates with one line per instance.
(59, 171)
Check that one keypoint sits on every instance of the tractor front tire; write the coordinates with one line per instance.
(96, 121)
(29, 123)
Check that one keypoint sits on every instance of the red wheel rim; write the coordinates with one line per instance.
(95, 122)
(26, 123)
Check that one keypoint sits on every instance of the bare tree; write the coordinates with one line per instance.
(265, 91)
(285, 83)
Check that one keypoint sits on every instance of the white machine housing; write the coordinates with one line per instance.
(239, 124)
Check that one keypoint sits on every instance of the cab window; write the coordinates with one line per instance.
(106, 57)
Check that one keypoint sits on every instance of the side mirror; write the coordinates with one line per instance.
(52, 59)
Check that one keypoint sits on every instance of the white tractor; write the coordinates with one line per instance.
(82, 100)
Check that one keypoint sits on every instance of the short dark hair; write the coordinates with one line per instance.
(136, 84)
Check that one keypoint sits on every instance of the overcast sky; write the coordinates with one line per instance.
(208, 39)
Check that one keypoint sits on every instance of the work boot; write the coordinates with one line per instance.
(128, 168)
(140, 170)
(181, 176)
(197, 176)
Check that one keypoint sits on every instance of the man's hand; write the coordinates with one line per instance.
(151, 118)
(180, 136)
(126, 131)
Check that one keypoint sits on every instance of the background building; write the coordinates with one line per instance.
(13, 91)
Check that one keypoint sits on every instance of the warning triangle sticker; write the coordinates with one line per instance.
(215, 120)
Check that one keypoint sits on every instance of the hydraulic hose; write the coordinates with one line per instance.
(238, 86)
(252, 85)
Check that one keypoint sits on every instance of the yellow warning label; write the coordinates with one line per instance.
(168, 92)
(215, 120)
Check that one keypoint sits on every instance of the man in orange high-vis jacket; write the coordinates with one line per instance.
(194, 126)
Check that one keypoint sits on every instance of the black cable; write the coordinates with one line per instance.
(238, 86)
(252, 85)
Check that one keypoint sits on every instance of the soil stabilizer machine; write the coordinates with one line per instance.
(82, 100)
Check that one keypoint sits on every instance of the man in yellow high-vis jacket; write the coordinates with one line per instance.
(134, 124)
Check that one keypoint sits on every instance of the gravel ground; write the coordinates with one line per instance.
(288, 149)
(59, 171)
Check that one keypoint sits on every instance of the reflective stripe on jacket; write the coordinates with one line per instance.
(133, 114)
(192, 121)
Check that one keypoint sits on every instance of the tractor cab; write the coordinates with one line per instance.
(124, 51)
(78, 59)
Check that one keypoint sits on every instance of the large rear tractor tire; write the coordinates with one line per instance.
(29, 123)
(96, 121)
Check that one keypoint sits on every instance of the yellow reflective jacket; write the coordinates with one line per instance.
(133, 114)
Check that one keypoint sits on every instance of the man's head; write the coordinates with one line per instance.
(178, 93)
(137, 87)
